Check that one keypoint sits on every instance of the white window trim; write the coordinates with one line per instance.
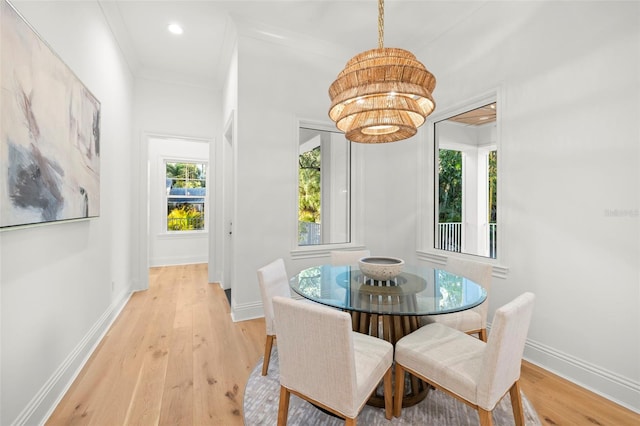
(426, 185)
(164, 232)
(357, 194)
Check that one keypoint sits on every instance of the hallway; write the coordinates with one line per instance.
(172, 357)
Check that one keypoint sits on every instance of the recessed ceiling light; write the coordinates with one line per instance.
(175, 29)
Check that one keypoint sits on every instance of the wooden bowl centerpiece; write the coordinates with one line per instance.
(380, 268)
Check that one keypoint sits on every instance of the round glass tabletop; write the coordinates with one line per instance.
(417, 290)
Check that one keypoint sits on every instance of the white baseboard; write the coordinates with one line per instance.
(175, 261)
(51, 393)
(607, 384)
(247, 311)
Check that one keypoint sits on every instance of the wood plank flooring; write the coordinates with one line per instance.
(174, 357)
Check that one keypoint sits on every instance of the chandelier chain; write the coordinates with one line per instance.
(380, 24)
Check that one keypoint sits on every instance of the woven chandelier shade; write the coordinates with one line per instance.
(382, 95)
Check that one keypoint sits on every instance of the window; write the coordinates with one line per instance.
(186, 185)
(324, 187)
(466, 182)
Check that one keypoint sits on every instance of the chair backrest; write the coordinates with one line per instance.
(273, 281)
(348, 257)
(502, 357)
(316, 352)
(480, 273)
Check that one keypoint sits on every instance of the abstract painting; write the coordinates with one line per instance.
(49, 132)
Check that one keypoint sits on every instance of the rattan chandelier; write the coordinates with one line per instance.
(383, 94)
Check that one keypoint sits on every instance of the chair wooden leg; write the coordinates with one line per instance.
(283, 406)
(350, 422)
(399, 391)
(388, 395)
(516, 403)
(483, 334)
(485, 417)
(267, 354)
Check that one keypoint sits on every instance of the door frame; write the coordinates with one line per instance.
(142, 204)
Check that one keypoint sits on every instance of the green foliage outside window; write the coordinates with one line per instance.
(493, 186)
(450, 186)
(309, 186)
(186, 175)
(185, 218)
(186, 189)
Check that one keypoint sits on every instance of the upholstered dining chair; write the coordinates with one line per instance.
(326, 363)
(477, 373)
(348, 257)
(470, 321)
(273, 281)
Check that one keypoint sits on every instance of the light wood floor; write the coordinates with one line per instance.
(174, 357)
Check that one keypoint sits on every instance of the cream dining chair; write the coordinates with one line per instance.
(273, 281)
(348, 257)
(477, 373)
(470, 321)
(326, 363)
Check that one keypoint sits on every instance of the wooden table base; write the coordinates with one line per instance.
(391, 328)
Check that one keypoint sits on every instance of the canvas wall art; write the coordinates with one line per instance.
(49, 132)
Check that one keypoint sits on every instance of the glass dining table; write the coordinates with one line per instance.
(389, 309)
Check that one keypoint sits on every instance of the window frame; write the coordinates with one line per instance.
(428, 177)
(356, 194)
(165, 196)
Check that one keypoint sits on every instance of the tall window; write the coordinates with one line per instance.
(324, 187)
(466, 182)
(186, 185)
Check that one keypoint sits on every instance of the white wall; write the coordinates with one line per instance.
(62, 283)
(174, 248)
(567, 75)
(167, 110)
(277, 85)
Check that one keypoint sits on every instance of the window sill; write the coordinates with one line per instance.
(440, 257)
(183, 234)
(309, 252)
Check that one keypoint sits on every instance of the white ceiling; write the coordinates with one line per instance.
(197, 57)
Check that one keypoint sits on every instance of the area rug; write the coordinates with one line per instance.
(262, 394)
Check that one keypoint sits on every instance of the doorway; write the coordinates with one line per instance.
(164, 245)
(228, 184)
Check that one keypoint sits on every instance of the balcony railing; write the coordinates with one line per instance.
(185, 223)
(450, 237)
(308, 233)
(493, 240)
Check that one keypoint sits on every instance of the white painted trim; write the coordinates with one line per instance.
(141, 269)
(247, 311)
(162, 176)
(426, 159)
(357, 195)
(54, 389)
(316, 252)
(178, 260)
(182, 235)
(607, 384)
(439, 257)
(432, 257)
